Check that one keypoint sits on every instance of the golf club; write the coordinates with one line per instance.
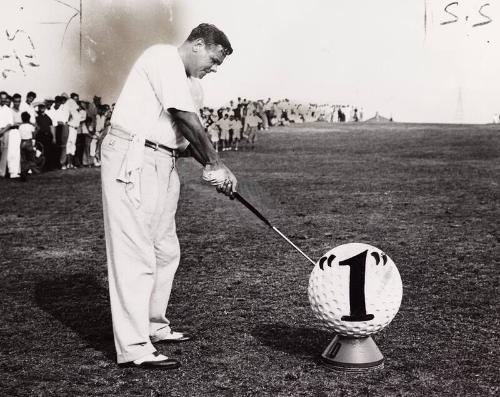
(238, 197)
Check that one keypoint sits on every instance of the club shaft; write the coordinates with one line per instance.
(256, 212)
(264, 219)
(293, 245)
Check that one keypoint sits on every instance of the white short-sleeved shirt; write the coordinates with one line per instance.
(82, 113)
(24, 107)
(74, 115)
(26, 131)
(213, 131)
(100, 122)
(253, 121)
(60, 115)
(224, 124)
(16, 114)
(6, 116)
(156, 83)
(236, 125)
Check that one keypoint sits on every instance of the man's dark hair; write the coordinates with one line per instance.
(25, 117)
(211, 35)
(74, 95)
(31, 94)
(16, 96)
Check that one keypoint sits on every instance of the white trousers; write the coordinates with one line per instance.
(14, 153)
(71, 144)
(141, 245)
(93, 146)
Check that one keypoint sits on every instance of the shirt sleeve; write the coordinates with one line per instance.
(165, 71)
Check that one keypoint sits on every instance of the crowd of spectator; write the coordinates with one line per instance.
(59, 133)
(63, 133)
(241, 119)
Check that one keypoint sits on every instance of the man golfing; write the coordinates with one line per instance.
(155, 119)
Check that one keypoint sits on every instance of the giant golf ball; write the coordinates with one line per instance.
(355, 289)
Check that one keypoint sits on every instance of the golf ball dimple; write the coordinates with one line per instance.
(355, 289)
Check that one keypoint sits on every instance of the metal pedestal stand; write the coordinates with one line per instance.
(352, 354)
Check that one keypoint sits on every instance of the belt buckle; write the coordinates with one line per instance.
(156, 146)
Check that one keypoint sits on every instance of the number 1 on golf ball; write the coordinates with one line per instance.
(355, 289)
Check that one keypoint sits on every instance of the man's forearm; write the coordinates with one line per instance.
(201, 147)
(192, 152)
(5, 129)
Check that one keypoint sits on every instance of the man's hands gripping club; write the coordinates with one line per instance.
(214, 171)
(220, 176)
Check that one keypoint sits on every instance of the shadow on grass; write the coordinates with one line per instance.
(79, 302)
(298, 341)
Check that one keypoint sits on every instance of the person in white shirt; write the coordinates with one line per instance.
(14, 147)
(6, 125)
(51, 110)
(251, 125)
(156, 117)
(74, 121)
(60, 116)
(236, 127)
(213, 133)
(16, 107)
(224, 126)
(27, 106)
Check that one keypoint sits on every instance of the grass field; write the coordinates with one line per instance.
(428, 195)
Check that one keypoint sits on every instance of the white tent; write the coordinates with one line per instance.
(378, 119)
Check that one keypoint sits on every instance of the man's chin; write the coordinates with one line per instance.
(203, 73)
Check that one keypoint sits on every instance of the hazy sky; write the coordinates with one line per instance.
(405, 58)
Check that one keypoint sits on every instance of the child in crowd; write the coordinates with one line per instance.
(224, 125)
(27, 133)
(236, 126)
(213, 133)
(251, 125)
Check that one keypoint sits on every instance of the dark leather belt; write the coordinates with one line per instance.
(158, 146)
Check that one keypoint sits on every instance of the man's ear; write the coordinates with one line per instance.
(198, 44)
